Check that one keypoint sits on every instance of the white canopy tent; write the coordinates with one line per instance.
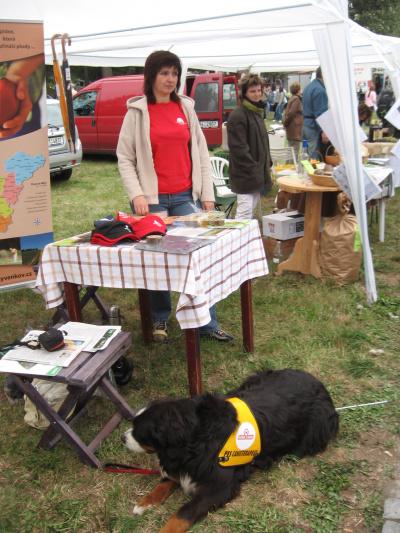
(278, 35)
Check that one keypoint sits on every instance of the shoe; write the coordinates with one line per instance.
(217, 335)
(160, 331)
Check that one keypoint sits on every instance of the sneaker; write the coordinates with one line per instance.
(217, 335)
(160, 331)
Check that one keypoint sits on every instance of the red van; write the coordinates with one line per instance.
(101, 106)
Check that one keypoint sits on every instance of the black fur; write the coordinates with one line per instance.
(294, 412)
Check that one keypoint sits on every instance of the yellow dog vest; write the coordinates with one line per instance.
(244, 444)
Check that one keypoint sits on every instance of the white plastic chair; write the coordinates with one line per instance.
(277, 136)
(224, 198)
(283, 155)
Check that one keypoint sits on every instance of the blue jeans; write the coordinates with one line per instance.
(312, 134)
(279, 111)
(178, 204)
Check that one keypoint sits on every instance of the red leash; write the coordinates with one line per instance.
(118, 468)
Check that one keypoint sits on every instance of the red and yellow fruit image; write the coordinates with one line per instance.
(9, 103)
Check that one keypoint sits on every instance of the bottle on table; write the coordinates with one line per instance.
(304, 156)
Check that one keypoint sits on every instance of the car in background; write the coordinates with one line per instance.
(62, 159)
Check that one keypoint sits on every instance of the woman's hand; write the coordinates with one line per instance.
(207, 206)
(12, 126)
(140, 205)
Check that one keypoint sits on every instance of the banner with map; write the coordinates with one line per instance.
(25, 196)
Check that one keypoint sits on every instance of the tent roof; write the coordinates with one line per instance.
(271, 36)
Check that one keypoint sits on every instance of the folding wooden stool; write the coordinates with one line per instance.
(86, 372)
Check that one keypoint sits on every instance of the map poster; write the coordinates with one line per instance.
(25, 195)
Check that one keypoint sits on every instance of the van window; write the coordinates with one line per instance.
(84, 104)
(229, 96)
(206, 97)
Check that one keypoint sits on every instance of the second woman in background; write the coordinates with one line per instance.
(293, 120)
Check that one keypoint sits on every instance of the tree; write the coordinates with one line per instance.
(379, 16)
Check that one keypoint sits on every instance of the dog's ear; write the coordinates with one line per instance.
(216, 418)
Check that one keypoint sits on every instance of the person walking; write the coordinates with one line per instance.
(280, 100)
(249, 155)
(315, 102)
(164, 164)
(293, 121)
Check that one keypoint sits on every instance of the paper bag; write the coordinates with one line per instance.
(340, 248)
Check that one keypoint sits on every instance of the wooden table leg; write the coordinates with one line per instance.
(304, 258)
(247, 315)
(193, 361)
(72, 301)
(145, 315)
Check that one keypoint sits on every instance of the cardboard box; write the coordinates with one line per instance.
(286, 247)
(283, 226)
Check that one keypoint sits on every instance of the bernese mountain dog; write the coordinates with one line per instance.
(210, 444)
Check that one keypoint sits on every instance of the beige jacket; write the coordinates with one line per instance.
(135, 158)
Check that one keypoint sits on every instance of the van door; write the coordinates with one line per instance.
(230, 96)
(112, 108)
(207, 94)
(85, 119)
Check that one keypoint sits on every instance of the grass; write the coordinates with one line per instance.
(299, 322)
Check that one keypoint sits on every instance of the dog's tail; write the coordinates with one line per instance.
(323, 426)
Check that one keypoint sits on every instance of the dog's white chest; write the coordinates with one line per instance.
(188, 486)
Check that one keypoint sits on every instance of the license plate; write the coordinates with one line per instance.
(206, 124)
(56, 141)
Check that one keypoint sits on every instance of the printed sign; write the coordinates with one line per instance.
(25, 197)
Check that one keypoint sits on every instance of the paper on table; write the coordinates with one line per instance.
(25, 367)
(394, 163)
(203, 233)
(370, 187)
(75, 240)
(62, 357)
(378, 174)
(97, 337)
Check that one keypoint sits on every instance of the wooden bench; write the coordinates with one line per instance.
(87, 372)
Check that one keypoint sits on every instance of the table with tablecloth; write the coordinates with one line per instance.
(202, 277)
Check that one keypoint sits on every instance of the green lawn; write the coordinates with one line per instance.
(300, 322)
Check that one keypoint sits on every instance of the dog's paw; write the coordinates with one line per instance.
(139, 509)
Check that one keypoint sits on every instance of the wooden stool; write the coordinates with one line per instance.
(86, 372)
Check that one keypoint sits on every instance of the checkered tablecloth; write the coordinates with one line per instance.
(202, 277)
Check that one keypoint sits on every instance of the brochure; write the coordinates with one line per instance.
(75, 240)
(175, 244)
(97, 337)
(203, 233)
(26, 367)
(63, 357)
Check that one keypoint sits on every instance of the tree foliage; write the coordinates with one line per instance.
(379, 16)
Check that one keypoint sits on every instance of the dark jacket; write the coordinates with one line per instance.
(249, 157)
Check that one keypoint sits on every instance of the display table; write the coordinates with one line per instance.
(203, 278)
(304, 258)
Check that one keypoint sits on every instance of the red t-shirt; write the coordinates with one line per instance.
(169, 137)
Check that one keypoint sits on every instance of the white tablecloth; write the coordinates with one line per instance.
(202, 277)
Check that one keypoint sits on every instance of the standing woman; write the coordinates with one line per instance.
(294, 119)
(370, 97)
(164, 164)
(249, 155)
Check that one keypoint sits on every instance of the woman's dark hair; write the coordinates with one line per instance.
(249, 80)
(154, 63)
